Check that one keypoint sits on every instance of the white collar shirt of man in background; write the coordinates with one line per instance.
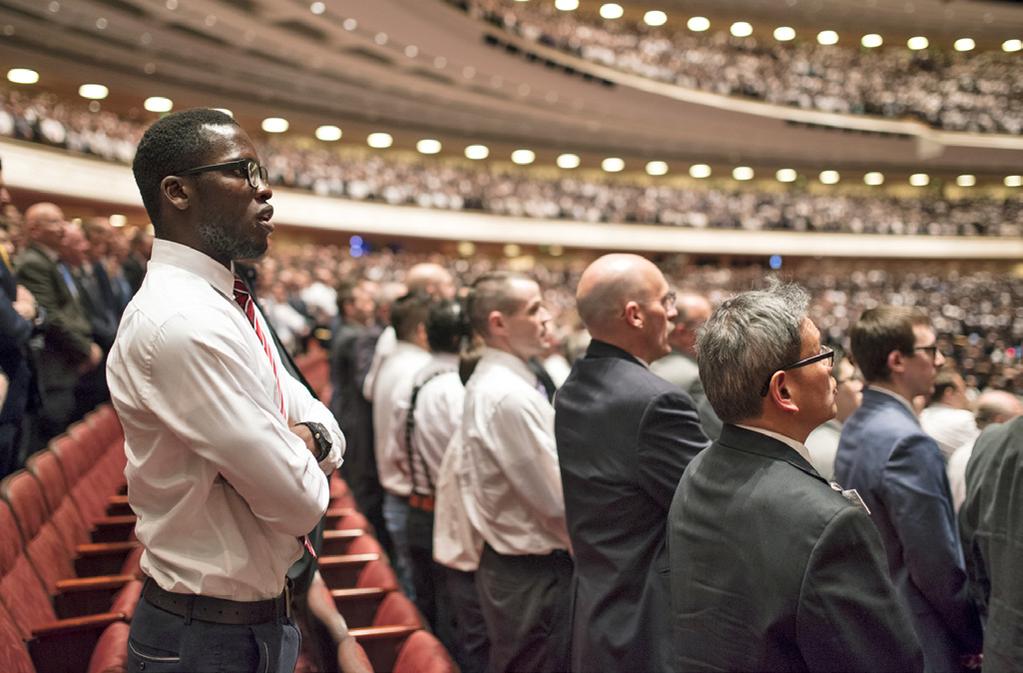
(823, 447)
(784, 439)
(457, 542)
(950, 427)
(512, 459)
(394, 384)
(222, 487)
(438, 417)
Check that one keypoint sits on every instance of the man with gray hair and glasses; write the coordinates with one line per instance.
(772, 567)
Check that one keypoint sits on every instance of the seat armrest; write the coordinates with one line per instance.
(104, 558)
(114, 528)
(65, 645)
(342, 572)
(87, 596)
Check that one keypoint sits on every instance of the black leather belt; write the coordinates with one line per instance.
(219, 610)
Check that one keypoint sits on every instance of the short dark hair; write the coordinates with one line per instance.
(446, 326)
(944, 380)
(878, 332)
(408, 313)
(492, 292)
(173, 143)
(345, 294)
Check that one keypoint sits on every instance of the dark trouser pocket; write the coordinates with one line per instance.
(278, 647)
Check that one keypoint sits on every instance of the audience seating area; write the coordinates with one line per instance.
(69, 564)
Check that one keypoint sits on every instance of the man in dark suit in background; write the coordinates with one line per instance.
(69, 349)
(772, 569)
(624, 437)
(898, 470)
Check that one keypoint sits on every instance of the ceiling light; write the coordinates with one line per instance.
(655, 17)
(966, 180)
(275, 125)
(742, 173)
(698, 24)
(512, 250)
(827, 37)
(566, 5)
(1012, 45)
(22, 76)
(428, 146)
(477, 152)
(379, 140)
(786, 175)
(784, 33)
(93, 91)
(523, 157)
(919, 179)
(349, 24)
(611, 11)
(568, 161)
(328, 133)
(317, 8)
(964, 44)
(1013, 180)
(829, 177)
(225, 111)
(871, 40)
(873, 179)
(741, 29)
(466, 248)
(158, 104)
(657, 168)
(117, 220)
(699, 171)
(612, 164)
(917, 43)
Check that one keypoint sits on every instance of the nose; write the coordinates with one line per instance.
(939, 358)
(264, 192)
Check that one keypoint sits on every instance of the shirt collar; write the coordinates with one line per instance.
(798, 447)
(193, 261)
(505, 359)
(900, 398)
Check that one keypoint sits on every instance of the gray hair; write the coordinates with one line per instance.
(746, 340)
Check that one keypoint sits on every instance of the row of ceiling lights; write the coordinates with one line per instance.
(522, 156)
(698, 24)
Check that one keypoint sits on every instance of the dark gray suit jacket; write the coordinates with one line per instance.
(992, 531)
(624, 437)
(773, 570)
(899, 472)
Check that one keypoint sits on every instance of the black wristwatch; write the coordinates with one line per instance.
(322, 438)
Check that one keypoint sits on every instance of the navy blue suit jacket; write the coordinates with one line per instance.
(900, 474)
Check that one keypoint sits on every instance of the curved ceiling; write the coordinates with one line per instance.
(416, 67)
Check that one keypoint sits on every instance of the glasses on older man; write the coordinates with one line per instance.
(257, 175)
(825, 354)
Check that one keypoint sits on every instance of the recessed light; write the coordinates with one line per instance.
(613, 164)
(873, 179)
(700, 171)
(829, 177)
(477, 152)
(698, 24)
(379, 140)
(966, 180)
(1012, 45)
(655, 17)
(317, 8)
(117, 220)
(523, 157)
(918, 42)
(657, 168)
(567, 161)
(22, 76)
(742, 173)
(93, 91)
(871, 40)
(566, 5)
(328, 133)
(428, 146)
(741, 29)
(275, 125)
(158, 104)
(784, 33)
(919, 179)
(964, 44)
(786, 175)
(827, 38)
(611, 11)
(1013, 180)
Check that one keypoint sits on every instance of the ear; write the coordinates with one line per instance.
(495, 322)
(780, 395)
(896, 361)
(176, 191)
(634, 315)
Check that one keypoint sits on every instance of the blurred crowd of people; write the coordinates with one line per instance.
(975, 92)
(521, 193)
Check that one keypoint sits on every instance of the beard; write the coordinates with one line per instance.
(226, 242)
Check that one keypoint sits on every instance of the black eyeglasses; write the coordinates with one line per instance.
(257, 175)
(931, 350)
(825, 354)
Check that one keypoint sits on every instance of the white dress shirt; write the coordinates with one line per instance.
(950, 427)
(438, 417)
(394, 384)
(456, 542)
(956, 470)
(784, 439)
(823, 447)
(381, 351)
(512, 462)
(221, 486)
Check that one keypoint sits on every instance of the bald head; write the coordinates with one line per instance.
(44, 223)
(997, 406)
(431, 279)
(622, 301)
(693, 311)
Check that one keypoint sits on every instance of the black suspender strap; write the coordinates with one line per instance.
(410, 426)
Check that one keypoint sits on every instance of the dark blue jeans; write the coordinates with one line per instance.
(161, 642)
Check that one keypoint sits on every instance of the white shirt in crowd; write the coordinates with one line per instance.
(222, 487)
(394, 384)
(956, 469)
(784, 439)
(381, 351)
(950, 427)
(823, 447)
(514, 482)
(438, 417)
(456, 541)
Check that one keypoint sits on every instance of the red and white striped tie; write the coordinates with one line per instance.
(244, 299)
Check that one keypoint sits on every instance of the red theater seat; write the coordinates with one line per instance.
(382, 644)
(423, 653)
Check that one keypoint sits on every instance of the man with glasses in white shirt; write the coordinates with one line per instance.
(899, 471)
(228, 455)
(514, 483)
